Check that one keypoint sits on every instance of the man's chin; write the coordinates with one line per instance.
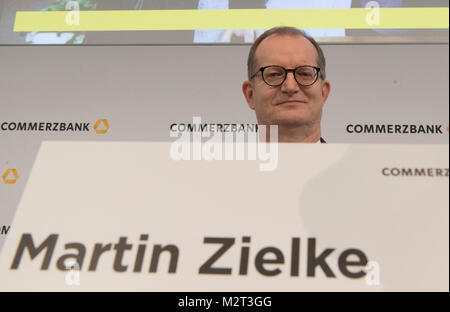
(292, 120)
(286, 123)
(289, 118)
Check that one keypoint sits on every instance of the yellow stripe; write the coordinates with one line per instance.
(117, 20)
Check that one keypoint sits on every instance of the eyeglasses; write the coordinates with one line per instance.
(275, 76)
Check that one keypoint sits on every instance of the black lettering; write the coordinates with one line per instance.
(21, 126)
(27, 242)
(407, 172)
(120, 248)
(79, 257)
(419, 172)
(368, 128)
(348, 128)
(395, 172)
(32, 126)
(86, 127)
(99, 249)
(295, 257)
(439, 129)
(243, 267)
(48, 126)
(405, 129)
(12, 126)
(157, 250)
(181, 127)
(207, 268)
(203, 127)
(358, 129)
(344, 263)
(314, 261)
(260, 261)
(380, 129)
(4, 124)
(5, 229)
(140, 254)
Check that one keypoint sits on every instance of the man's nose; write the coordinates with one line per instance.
(290, 85)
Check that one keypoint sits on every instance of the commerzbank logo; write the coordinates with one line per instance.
(10, 176)
(101, 126)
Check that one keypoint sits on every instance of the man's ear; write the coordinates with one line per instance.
(326, 88)
(247, 89)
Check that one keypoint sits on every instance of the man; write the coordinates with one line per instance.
(287, 84)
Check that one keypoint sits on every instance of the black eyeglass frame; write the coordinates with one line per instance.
(286, 71)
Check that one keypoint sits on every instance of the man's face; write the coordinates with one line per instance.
(289, 104)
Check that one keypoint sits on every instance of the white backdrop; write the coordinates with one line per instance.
(141, 90)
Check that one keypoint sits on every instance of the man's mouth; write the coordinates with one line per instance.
(292, 102)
